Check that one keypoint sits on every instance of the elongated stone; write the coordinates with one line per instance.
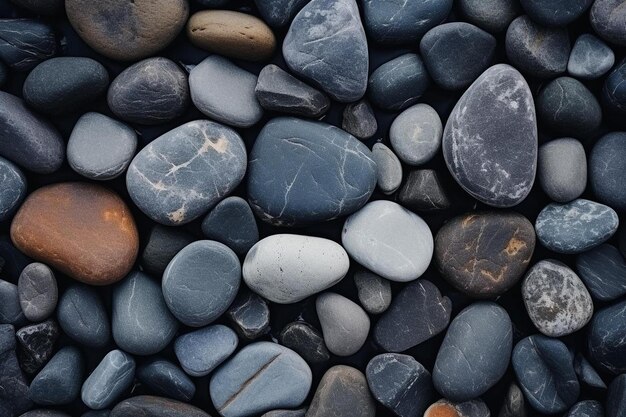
(606, 164)
(13, 384)
(13, 188)
(203, 350)
(555, 12)
(60, 380)
(167, 379)
(398, 83)
(82, 316)
(111, 378)
(38, 291)
(603, 270)
(587, 373)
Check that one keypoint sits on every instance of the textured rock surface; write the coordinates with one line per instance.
(415, 134)
(232, 223)
(37, 288)
(606, 339)
(603, 270)
(398, 83)
(14, 399)
(82, 316)
(36, 342)
(148, 405)
(423, 191)
(305, 340)
(60, 380)
(388, 167)
(606, 165)
(13, 188)
(25, 43)
(278, 13)
(590, 58)
(166, 379)
(163, 243)
(608, 19)
(492, 15)
(359, 120)
(250, 315)
(374, 291)
(111, 378)
(562, 169)
(555, 12)
(343, 391)
(201, 351)
(345, 325)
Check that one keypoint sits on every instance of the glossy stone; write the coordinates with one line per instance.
(603, 270)
(10, 308)
(148, 405)
(359, 120)
(82, 316)
(232, 223)
(608, 19)
(278, 13)
(37, 288)
(165, 378)
(492, 15)
(616, 397)
(250, 315)
(14, 386)
(415, 134)
(60, 380)
(24, 43)
(13, 188)
(606, 339)
(163, 243)
(388, 167)
(201, 351)
(374, 291)
(345, 325)
(555, 12)
(112, 377)
(398, 83)
(562, 169)
(606, 165)
(36, 344)
(305, 340)
(590, 58)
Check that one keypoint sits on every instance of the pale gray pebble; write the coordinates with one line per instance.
(167, 379)
(13, 188)
(359, 120)
(202, 350)
(345, 325)
(590, 58)
(562, 169)
(250, 315)
(608, 19)
(112, 377)
(514, 404)
(398, 83)
(415, 134)
(374, 291)
(82, 316)
(59, 382)
(388, 167)
(10, 308)
(37, 288)
(278, 13)
(491, 15)
(471, 408)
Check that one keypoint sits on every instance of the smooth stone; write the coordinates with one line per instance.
(415, 134)
(330, 49)
(285, 268)
(83, 317)
(37, 289)
(603, 270)
(562, 169)
(606, 166)
(359, 120)
(44, 7)
(614, 90)
(149, 92)
(36, 343)
(304, 172)
(345, 325)
(400, 383)
(588, 408)
(279, 91)
(545, 372)
(608, 19)
(13, 188)
(423, 191)
(537, 50)
(279, 13)
(616, 397)
(514, 404)
(203, 350)
(399, 83)
(447, 408)
(109, 380)
(45, 413)
(388, 167)
(14, 386)
(165, 378)
(389, 240)
(343, 391)
(26, 139)
(374, 292)
(250, 315)
(172, 180)
(556, 300)
(231, 34)
(225, 92)
(201, 281)
(587, 373)
(492, 15)
(106, 25)
(148, 405)
(10, 309)
(555, 12)
(306, 341)
(64, 85)
(418, 313)
(286, 413)
(484, 254)
(232, 223)
(83, 230)
(60, 380)
(260, 377)
(606, 338)
(24, 43)
(163, 243)
(590, 58)
(490, 139)
(482, 330)
(575, 227)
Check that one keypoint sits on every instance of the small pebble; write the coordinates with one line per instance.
(616, 397)
(13, 188)
(232, 223)
(343, 391)
(109, 380)
(279, 13)
(606, 164)
(10, 309)
(514, 404)
(201, 351)
(163, 243)
(37, 288)
(492, 15)
(374, 291)
(25, 43)
(587, 373)
(13, 384)
(305, 340)
(359, 120)
(59, 382)
(606, 339)
(423, 191)
(82, 316)
(399, 83)
(36, 344)
(250, 315)
(603, 270)
(447, 408)
(590, 58)
(608, 19)
(588, 408)
(165, 378)
(344, 323)
(388, 167)
(555, 12)
(148, 405)
(562, 169)
(415, 134)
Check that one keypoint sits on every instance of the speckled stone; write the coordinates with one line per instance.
(305, 340)
(148, 405)
(249, 315)
(588, 408)
(345, 325)
(109, 380)
(359, 120)
(608, 19)
(36, 344)
(590, 58)
(492, 15)
(37, 288)
(60, 380)
(343, 391)
(398, 83)
(201, 351)
(616, 398)
(163, 243)
(607, 164)
(587, 373)
(388, 167)
(514, 404)
(555, 12)
(423, 191)
(13, 384)
(447, 408)
(603, 270)
(232, 223)
(24, 43)
(13, 188)
(278, 13)
(614, 90)
(165, 378)
(606, 340)
(10, 309)
(562, 169)
(82, 316)
(415, 134)
(374, 291)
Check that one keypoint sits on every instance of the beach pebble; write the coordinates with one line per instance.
(614, 90)
(608, 19)
(112, 377)
(590, 58)
(415, 134)
(562, 169)
(616, 397)
(587, 373)
(278, 13)
(305, 340)
(162, 244)
(388, 167)
(398, 83)
(555, 12)
(10, 309)
(588, 408)
(514, 404)
(359, 120)
(202, 350)
(148, 405)
(82, 316)
(606, 339)
(25, 43)
(60, 380)
(13, 188)
(250, 315)
(13, 383)
(423, 191)
(343, 391)
(603, 269)
(345, 325)
(374, 291)
(37, 288)
(165, 378)
(606, 166)
(286, 413)
(36, 344)
(232, 223)
(447, 408)
(492, 15)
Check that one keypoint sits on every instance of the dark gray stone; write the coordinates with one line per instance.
(614, 91)
(13, 188)
(201, 351)
(60, 380)
(555, 12)
(213, 4)
(36, 344)
(12, 260)
(38, 293)
(278, 13)
(607, 163)
(45, 7)
(616, 398)
(359, 120)
(606, 340)
(10, 309)
(165, 378)
(590, 58)
(232, 223)
(415, 134)
(97, 413)
(423, 191)
(492, 15)
(345, 325)
(250, 315)
(374, 291)
(603, 271)
(162, 245)
(587, 373)
(388, 167)
(82, 316)
(343, 391)
(514, 404)
(472, 408)
(398, 83)
(562, 169)
(305, 340)
(608, 19)
(24, 43)
(588, 408)
(43, 412)
(148, 405)
(112, 377)
(13, 385)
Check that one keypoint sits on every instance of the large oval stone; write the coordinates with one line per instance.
(303, 172)
(607, 338)
(84, 230)
(490, 139)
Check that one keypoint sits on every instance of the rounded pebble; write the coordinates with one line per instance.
(608, 19)
(606, 164)
(590, 58)
(111, 378)
(13, 188)
(232, 223)
(415, 134)
(37, 288)
(562, 169)
(203, 350)
(492, 15)
(343, 391)
(374, 291)
(167, 379)
(59, 382)
(344, 323)
(397, 84)
(82, 316)
(555, 12)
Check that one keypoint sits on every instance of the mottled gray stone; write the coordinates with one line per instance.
(38, 293)
(562, 169)
(60, 380)
(13, 188)
(606, 340)
(423, 191)
(607, 164)
(491, 15)
(109, 380)
(250, 315)
(163, 243)
(588, 408)
(398, 83)
(232, 223)
(388, 167)
(374, 291)
(514, 404)
(82, 316)
(10, 309)
(148, 405)
(165, 378)
(587, 373)
(608, 19)
(616, 398)
(345, 325)
(359, 120)
(590, 58)
(472, 408)
(603, 270)
(343, 391)
(173, 179)
(415, 134)
(278, 13)
(201, 351)
(306, 341)
(555, 12)
(24, 43)
(36, 344)
(13, 385)
(614, 90)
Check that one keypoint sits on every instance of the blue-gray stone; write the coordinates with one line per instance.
(388, 167)
(607, 163)
(111, 379)
(303, 172)
(415, 134)
(603, 270)
(203, 350)
(201, 281)
(261, 377)
(13, 188)
(606, 339)
(10, 308)
(186, 171)
(38, 292)
(545, 371)
(562, 169)
(588, 408)
(492, 15)
(24, 43)
(82, 316)
(608, 19)
(286, 413)
(616, 397)
(614, 90)
(373, 290)
(576, 226)
(165, 378)
(490, 139)
(37, 343)
(59, 382)
(587, 373)
(163, 243)
(250, 315)
(141, 322)
(398, 83)
(555, 12)
(326, 44)
(278, 13)
(456, 53)
(13, 385)
(149, 405)
(590, 58)
(232, 223)
(482, 330)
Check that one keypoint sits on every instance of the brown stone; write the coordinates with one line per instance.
(151, 406)
(232, 34)
(84, 230)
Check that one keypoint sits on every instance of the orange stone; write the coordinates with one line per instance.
(84, 230)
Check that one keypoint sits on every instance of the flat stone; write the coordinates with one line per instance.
(555, 12)
(148, 405)
(201, 351)
(447, 408)
(82, 316)
(330, 49)
(37, 289)
(109, 380)
(359, 120)
(388, 167)
(232, 223)
(374, 291)
(418, 313)
(588, 408)
(399, 83)
(14, 386)
(590, 58)
(606, 165)
(286, 268)
(400, 383)
(587, 373)
(514, 404)
(278, 13)
(614, 90)
(492, 15)
(165, 378)
(343, 391)
(10, 308)
(36, 344)
(608, 19)
(84, 230)
(149, 92)
(172, 180)
(13, 188)
(345, 325)
(616, 398)
(60, 380)
(201, 281)
(250, 315)
(562, 169)
(304, 172)
(415, 134)
(261, 377)
(306, 341)
(163, 243)
(603, 270)
(606, 340)
(575, 227)
(423, 191)
(490, 143)
(279, 91)
(25, 43)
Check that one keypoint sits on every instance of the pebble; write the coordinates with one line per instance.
(45, 413)
(285, 268)
(150, 32)
(279, 13)
(374, 292)
(588, 408)
(415, 134)
(286, 413)
(201, 351)
(231, 34)
(603, 270)
(279, 91)
(27, 139)
(537, 50)
(388, 167)
(447, 408)
(100, 148)
(262, 376)
(400, 383)
(484, 254)
(38, 293)
(148, 405)
(14, 386)
(172, 180)
(44, 7)
(343, 391)
(562, 169)
(10, 308)
(303, 172)
(490, 142)
(555, 12)
(590, 58)
(165, 378)
(36, 344)
(575, 227)
(514, 404)
(149, 92)
(163, 243)
(359, 120)
(65, 84)
(423, 191)
(201, 281)
(249, 315)
(25, 43)
(606, 339)
(109, 380)
(545, 372)
(60, 380)
(84, 230)
(492, 15)
(13, 188)
(587, 373)
(232, 223)
(330, 49)
(305, 340)
(616, 398)
(614, 91)
(418, 313)
(345, 325)
(399, 83)
(608, 19)
(82, 316)
(606, 165)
